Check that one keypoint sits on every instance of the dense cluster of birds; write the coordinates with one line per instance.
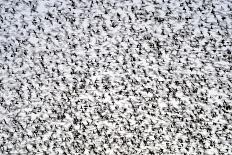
(117, 77)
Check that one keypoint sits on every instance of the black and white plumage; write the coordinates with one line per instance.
(115, 77)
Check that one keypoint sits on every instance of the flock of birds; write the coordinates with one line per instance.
(117, 77)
